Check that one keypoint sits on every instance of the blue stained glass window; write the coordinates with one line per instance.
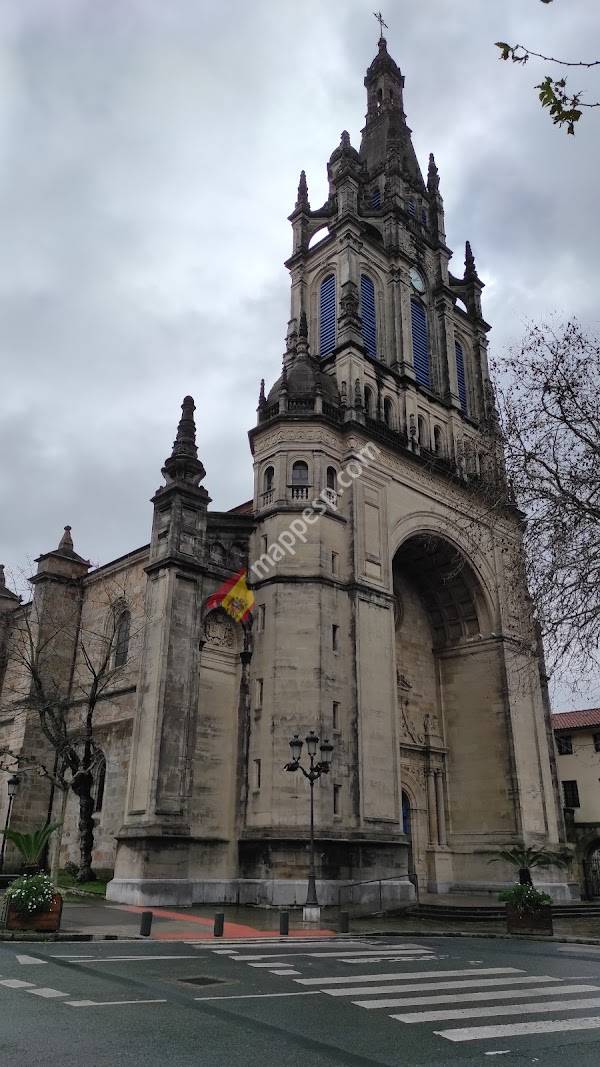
(412, 208)
(327, 316)
(368, 315)
(420, 341)
(460, 374)
(375, 198)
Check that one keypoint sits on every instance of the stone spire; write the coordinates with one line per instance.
(66, 542)
(302, 200)
(433, 177)
(470, 268)
(261, 396)
(183, 463)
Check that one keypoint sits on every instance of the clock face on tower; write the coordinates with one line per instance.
(417, 280)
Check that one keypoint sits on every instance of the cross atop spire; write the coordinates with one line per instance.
(382, 24)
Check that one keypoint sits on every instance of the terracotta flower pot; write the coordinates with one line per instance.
(44, 921)
(537, 921)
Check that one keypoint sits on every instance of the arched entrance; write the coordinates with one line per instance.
(454, 741)
(591, 868)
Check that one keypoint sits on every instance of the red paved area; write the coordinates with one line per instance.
(200, 928)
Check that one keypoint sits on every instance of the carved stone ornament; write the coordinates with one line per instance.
(218, 629)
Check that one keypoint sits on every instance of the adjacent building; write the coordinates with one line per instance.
(577, 735)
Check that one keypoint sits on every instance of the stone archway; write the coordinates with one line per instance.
(454, 739)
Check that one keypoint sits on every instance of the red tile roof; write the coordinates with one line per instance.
(572, 720)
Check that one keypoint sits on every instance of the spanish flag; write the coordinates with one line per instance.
(234, 597)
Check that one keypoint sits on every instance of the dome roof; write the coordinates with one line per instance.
(344, 149)
(303, 377)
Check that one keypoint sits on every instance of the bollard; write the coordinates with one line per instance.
(219, 924)
(284, 922)
(344, 923)
(146, 924)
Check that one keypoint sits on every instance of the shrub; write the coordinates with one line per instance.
(31, 845)
(31, 894)
(524, 898)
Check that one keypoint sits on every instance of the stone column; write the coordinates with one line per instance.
(440, 808)
(432, 808)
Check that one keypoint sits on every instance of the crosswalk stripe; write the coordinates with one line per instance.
(504, 1009)
(422, 987)
(495, 994)
(541, 1026)
(287, 971)
(399, 975)
(380, 953)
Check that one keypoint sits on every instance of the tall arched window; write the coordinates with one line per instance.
(368, 315)
(268, 479)
(368, 401)
(460, 375)
(376, 198)
(327, 316)
(420, 340)
(122, 639)
(438, 441)
(388, 412)
(331, 478)
(423, 435)
(300, 480)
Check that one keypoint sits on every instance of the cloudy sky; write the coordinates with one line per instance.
(151, 154)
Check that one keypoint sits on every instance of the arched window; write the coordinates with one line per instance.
(99, 782)
(327, 316)
(460, 375)
(268, 479)
(122, 639)
(300, 480)
(376, 198)
(388, 412)
(420, 340)
(412, 208)
(300, 473)
(423, 435)
(368, 401)
(331, 478)
(368, 316)
(438, 441)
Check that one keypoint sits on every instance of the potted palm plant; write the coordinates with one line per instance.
(31, 845)
(528, 911)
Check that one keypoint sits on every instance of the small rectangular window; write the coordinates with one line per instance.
(264, 542)
(564, 745)
(257, 774)
(334, 562)
(337, 789)
(597, 742)
(335, 708)
(259, 693)
(260, 619)
(335, 637)
(571, 794)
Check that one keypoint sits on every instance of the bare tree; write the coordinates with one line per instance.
(67, 713)
(550, 413)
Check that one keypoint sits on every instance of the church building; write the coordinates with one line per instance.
(390, 615)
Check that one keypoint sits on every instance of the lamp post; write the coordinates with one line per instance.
(12, 786)
(311, 911)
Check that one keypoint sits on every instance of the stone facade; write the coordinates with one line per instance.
(390, 613)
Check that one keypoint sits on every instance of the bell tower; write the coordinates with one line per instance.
(386, 598)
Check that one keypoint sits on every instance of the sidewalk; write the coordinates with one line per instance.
(104, 919)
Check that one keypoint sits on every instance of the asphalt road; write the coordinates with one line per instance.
(394, 1000)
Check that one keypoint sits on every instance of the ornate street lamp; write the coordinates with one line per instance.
(12, 786)
(315, 770)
